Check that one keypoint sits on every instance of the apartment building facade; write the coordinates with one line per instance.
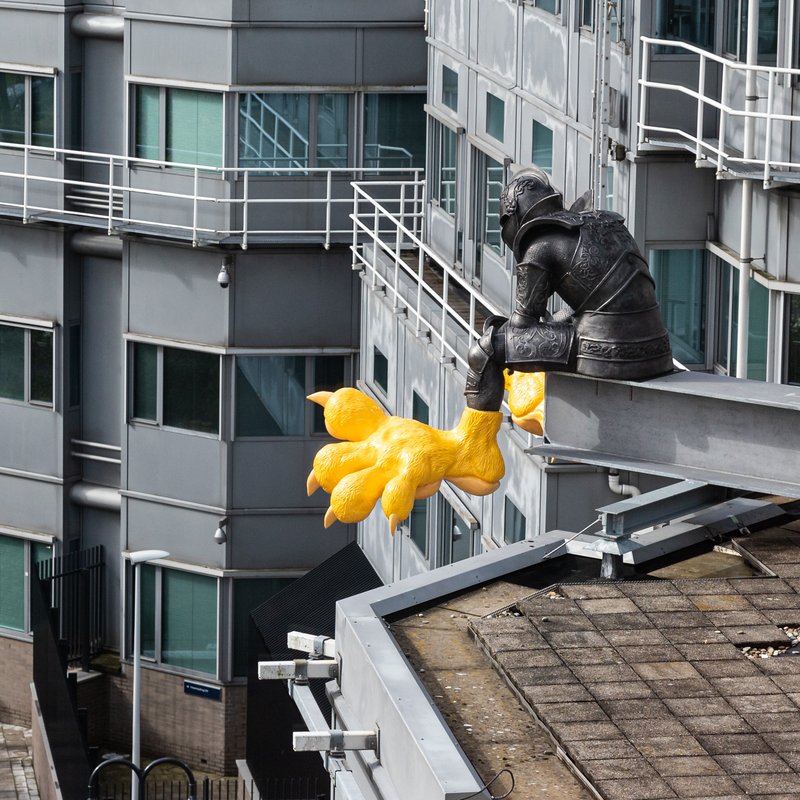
(175, 246)
(643, 104)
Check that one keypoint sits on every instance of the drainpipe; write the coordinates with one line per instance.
(98, 26)
(745, 240)
(623, 489)
(93, 496)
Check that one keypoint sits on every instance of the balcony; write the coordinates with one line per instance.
(697, 103)
(198, 204)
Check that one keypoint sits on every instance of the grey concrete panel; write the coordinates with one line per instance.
(103, 73)
(325, 11)
(281, 56)
(187, 535)
(497, 37)
(173, 293)
(193, 9)
(585, 79)
(174, 464)
(30, 252)
(793, 244)
(179, 52)
(102, 351)
(394, 57)
(545, 57)
(268, 312)
(42, 194)
(450, 23)
(291, 541)
(273, 472)
(441, 233)
(665, 218)
(31, 37)
(31, 505)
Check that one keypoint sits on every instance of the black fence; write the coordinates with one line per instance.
(56, 692)
(220, 789)
(75, 588)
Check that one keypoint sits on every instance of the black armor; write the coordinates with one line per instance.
(589, 258)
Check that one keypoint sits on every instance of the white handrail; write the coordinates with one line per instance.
(190, 211)
(727, 157)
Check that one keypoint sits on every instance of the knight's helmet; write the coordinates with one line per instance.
(527, 195)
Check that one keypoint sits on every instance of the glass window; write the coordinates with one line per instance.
(445, 169)
(495, 180)
(270, 395)
(680, 277)
(191, 390)
(687, 21)
(587, 13)
(617, 21)
(148, 115)
(12, 583)
(189, 621)
(145, 381)
(147, 574)
(736, 30)
(248, 595)
(380, 370)
(757, 331)
(23, 98)
(542, 147)
(793, 340)
(449, 88)
(418, 521)
(332, 130)
(514, 524)
(394, 130)
(41, 377)
(194, 127)
(457, 536)
(552, 6)
(495, 116)
(329, 375)
(12, 362)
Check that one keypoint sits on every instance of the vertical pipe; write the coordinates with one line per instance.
(723, 118)
(245, 208)
(745, 241)
(701, 94)
(25, 184)
(194, 209)
(110, 195)
(328, 212)
(643, 92)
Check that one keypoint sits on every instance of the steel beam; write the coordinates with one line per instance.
(687, 425)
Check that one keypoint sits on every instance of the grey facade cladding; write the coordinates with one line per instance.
(147, 297)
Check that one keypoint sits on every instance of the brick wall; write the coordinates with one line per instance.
(207, 734)
(16, 658)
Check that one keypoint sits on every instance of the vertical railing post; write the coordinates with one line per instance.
(355, 223)
(701, 105)
(722, 116)
(375, 237)
(402, 215)
(110, 227)
(83, 618)
(194, 207)
(416, 209)
(420, 278)
(398, 242)
(643, 92)
(25, 184)
(245, 208)
(328, 192)
(445, 294)
(768, 129)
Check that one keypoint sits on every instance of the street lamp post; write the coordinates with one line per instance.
(137, 558)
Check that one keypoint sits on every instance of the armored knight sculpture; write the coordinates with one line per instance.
(611, 328)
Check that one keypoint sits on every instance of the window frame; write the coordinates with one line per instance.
(312, 140)
(362, 132)
(540, 5)
(158, 422)
(29, 74)
(311, 384)
(535, 123)
(789, 300)
(28, 544)
(479, 213)
(157, 658)
(448, 204)
(448, 84)
(510, 509)
(162, 161)
(28, 328)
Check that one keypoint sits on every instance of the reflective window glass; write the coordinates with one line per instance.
(514, 523)
(273, 130)
(332, 130)
(495, 116)
(12, 362)
(542, 148)
(394, 130)
(686, 20)
(191, 390)
(793, 340)
(148, 114)
(41, 374)
(12, 583)
(12, 108)
(449, 88)
(680, 277)
(270, 395)
(329, 375)
(145, 381)
(495, 180)
(380, 370)
(194, 127)
(189, 621)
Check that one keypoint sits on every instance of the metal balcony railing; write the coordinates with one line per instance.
(217, 205)
(439, 302)
(708, 118)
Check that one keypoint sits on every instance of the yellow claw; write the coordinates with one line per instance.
(320, 398)
(312, 484)
(330, 518)
(394, 521)
(429, 490)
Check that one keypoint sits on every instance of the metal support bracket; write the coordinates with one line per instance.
(335, 742)
(299, 670)
(315, 646)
